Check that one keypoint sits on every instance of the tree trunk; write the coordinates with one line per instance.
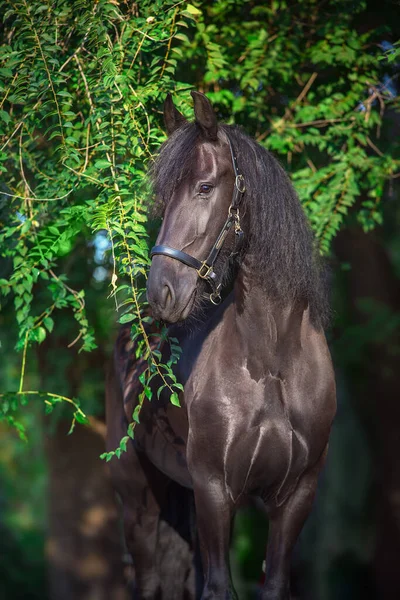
(84, 547)
(376, 392)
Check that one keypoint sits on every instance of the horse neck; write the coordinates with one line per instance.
(267, 316)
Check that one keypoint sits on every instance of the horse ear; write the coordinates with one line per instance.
(205, 115)
(173, 119)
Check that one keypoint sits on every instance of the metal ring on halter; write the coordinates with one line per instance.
(240, 184)
(215, 298)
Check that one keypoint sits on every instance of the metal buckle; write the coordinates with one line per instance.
(204, 274)
(238, 229)
(240, 184)
(233, 211)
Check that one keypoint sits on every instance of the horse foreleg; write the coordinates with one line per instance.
(214, 511)
(141, 488)
(285, 524)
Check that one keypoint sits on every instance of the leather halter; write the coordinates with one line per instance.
(205, 268)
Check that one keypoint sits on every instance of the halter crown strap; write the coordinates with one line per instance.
(239, 187)
(205, 269)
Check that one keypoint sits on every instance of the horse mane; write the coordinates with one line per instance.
(279, 239)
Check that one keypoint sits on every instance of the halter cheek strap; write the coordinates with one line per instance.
(205, 268)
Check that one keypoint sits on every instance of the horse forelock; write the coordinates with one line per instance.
(280, 244)
(173, 164)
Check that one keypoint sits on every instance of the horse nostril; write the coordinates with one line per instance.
(167, 296)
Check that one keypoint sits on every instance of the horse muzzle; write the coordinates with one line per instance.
(171, 289)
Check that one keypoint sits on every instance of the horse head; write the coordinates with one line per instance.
(197, 179)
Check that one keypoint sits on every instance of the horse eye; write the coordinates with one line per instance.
(205, 188)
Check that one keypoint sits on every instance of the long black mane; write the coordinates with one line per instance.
(279, 239)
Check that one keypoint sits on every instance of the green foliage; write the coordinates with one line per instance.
(310, 87)
(82, 86)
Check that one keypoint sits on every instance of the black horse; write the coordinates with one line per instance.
(259, 389)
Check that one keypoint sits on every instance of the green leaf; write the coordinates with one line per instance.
(148, 392)
(193, 10)
(174, 399)
(5, 116)
(102, 164)
(123, 443)
(182, 36)
(81, 418)
(107, 456)
(48, 323)
(127, 318)
(26, 226)
(41, 334)
(136, 413)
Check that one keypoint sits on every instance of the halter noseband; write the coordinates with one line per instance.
(205, 268)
